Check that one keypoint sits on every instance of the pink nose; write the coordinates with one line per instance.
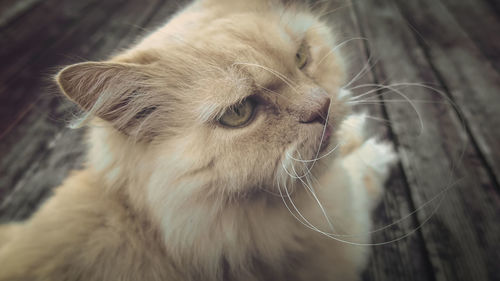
(318, 112)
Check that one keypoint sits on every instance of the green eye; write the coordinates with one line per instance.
(239, 115)
(301, 56)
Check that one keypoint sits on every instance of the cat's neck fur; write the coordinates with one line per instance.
(220, 235)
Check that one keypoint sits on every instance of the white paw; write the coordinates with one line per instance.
(356, 123)
(379, 155)
(352, 132)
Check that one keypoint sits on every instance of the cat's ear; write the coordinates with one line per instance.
(115, 92)
(88, 82)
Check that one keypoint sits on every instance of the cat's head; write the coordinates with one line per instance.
(226, 96)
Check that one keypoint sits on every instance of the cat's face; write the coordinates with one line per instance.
(228, 96)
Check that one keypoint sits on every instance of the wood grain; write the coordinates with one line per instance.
(26, 39)
(405, 259)
(464, 72)
(432, 158)
(29, 78)
(36, 138)
(11, 10)
(481, 25)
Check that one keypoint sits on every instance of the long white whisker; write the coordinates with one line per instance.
(433, 212)
(394, 101)
(366, 68)
(317, 158)
(338, 46)
(397, 91)
(313, 193)
(378, 119)
(334, 236)
(279, 75)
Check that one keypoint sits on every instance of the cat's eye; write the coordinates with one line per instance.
(238, 115)
(301, 56)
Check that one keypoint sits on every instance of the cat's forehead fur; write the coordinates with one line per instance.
(222, 53)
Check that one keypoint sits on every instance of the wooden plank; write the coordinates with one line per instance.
(30, 142)
(405, 259)
(25, 39)
(27, 53)
(495, 5)
(21, 91)
(465, 72)
(41, 136)
(481, 24)
(63, 153)
(10, 10)
(461, 237)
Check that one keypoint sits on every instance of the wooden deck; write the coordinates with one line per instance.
(442, 203)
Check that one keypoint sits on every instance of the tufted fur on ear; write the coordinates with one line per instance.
(115, 92)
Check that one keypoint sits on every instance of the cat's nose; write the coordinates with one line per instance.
(318, 113)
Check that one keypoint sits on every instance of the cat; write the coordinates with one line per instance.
(220, 148)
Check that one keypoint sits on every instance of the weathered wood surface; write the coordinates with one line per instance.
(405, 259)
(479, 21)
(452, 46)
(12, 9)
(463, 70)
(431, 157)
(33, 139)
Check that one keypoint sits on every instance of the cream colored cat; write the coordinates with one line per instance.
(220, 146)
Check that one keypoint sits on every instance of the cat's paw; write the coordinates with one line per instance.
(369, 166)
(352, 133)
(381, 157)
(378, 155)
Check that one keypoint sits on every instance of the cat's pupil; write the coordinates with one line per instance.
(237, 111)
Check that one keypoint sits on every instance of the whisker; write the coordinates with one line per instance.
(338, 46)
(376, 90)
(306, 222)
(394, 101)
(378, 119)
(367, 67)
(334, 9)
(397, 91)
(313, 193)
(272, 71)
(398, 221)
(317, 158)
(278, 95)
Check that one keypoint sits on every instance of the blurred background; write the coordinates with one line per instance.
(427, 71)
